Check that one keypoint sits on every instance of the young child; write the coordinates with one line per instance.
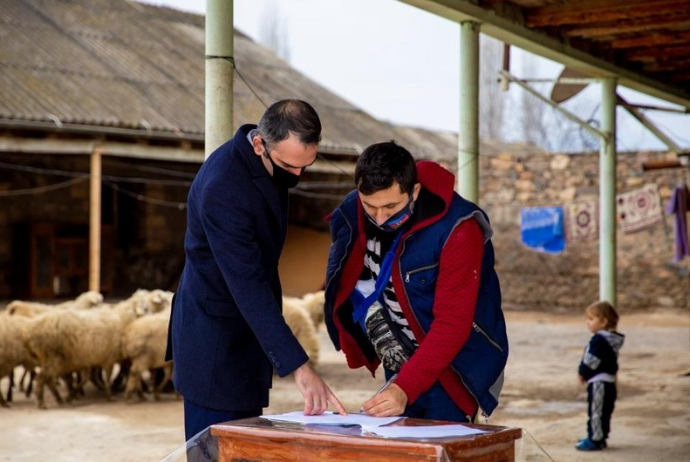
(598, 369)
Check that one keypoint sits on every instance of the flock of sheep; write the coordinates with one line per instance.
(85, 339)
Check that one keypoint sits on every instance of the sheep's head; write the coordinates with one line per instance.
(91, 298)
(12, 307)
(137, 302)
(141, 308)
(139, 293)
(157, 301)
(140, 302)
(315, 299)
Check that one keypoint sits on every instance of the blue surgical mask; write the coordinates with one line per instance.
(396, 221)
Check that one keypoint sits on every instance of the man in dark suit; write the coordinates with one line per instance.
(227, 333)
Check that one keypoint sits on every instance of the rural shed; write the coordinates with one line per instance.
(115, 90)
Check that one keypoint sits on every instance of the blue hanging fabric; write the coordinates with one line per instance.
(542, 229)
(360, 302)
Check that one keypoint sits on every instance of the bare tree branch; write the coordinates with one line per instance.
(491, 97)
(273, 30)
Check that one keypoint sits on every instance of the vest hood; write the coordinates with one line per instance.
(436, 179)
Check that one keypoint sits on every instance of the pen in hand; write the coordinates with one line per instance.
(382, 389)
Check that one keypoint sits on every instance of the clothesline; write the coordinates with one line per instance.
(546, 229)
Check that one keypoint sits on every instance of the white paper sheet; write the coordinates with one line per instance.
(329, 418)
(428, 431)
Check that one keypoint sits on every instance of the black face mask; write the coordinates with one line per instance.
(282, 177)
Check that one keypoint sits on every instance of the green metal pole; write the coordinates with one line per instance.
(468, 133)
(219, 73)
(607, 188)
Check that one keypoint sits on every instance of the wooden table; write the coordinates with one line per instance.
(265, 440)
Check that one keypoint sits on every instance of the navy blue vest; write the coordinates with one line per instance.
(481, 361)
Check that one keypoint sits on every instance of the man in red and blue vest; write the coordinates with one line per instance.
(411, 285)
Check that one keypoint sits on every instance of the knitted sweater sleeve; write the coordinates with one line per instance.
(454, 305)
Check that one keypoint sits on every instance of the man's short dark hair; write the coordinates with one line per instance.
(290, 116)
(381, 165)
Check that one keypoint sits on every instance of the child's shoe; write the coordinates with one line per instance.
(587, 444)
(603, 442)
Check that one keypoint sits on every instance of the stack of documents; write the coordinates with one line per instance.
(376, 425)
(330, 418)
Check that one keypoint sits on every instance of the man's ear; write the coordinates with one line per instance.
(258, 145)
(415, 191)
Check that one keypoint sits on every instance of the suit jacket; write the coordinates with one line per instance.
(227, 332)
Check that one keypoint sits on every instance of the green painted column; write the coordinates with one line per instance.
(219, 73)
(468, 131)
(607, 193)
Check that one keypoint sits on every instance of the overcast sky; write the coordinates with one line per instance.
(401, 64)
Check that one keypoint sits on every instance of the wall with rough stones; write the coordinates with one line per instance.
(647, 275)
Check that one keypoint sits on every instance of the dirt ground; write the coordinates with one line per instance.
(541, 395)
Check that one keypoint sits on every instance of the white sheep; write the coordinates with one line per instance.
(66, 341)
(150, 301)
(313, 303)
(28, 309)
(159, 300)
(84, 301)
(144, 342)
(302, 327)
(13, 353)
(153, 301)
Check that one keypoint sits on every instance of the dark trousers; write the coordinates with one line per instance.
(198, 418)
(601, 399)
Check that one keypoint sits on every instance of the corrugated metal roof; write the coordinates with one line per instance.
(123, 64)
(100, 63)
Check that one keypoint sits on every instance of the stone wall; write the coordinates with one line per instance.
(647, 275)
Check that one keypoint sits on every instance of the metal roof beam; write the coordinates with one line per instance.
(47, 146)
(107, 148)
(509, 27)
